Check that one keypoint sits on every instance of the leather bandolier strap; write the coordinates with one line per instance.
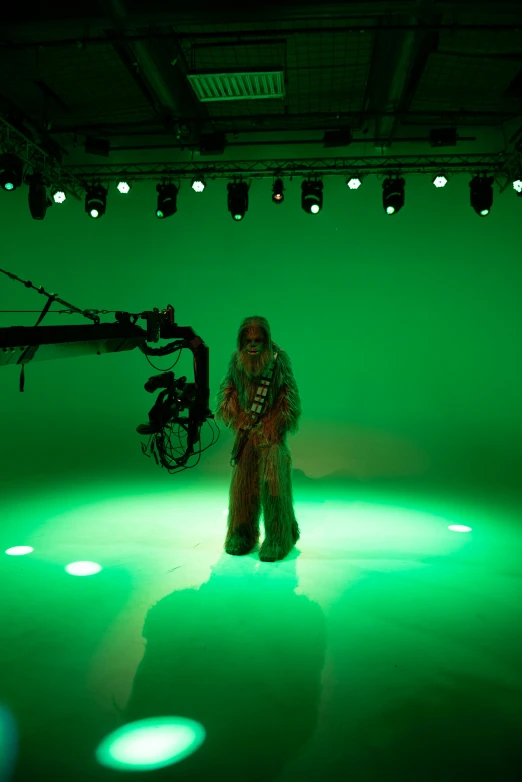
(257, 410)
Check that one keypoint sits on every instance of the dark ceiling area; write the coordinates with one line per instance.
(132, 73)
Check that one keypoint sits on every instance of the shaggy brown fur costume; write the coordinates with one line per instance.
(262, 476)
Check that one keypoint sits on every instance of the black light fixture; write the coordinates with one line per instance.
(96, 201)
(312, 197)
(481, 194)
(443, 137)
(212, 144)
(278, 192)
(97, 146)
(11, 171)
(167, 195)
(337, 138)
(38, 198)
(393, 195)
(237, 199)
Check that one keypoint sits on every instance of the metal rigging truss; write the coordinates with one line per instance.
(15, 141)
(504, 166)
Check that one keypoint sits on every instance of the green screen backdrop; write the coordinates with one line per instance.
(405, 332)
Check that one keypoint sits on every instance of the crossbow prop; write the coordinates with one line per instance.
(22, 344)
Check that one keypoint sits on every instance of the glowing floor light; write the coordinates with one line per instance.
(82, 568)
(151, 743)
(18, 551)
(459, 528)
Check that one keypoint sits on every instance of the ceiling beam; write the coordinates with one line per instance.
(164, 12)
(398, 61)
(227, 11)
(158, 69)
(57, 21)
(315, 121)
(34, 131)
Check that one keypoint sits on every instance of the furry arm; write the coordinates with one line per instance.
(283, 416)
(227, 403)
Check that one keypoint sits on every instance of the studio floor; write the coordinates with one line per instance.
(387, 646)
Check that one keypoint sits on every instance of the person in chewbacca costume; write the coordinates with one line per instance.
(261, 475)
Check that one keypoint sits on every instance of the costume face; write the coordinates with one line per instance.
(254, 351)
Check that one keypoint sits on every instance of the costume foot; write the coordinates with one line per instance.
(238, 545)
(271, 551)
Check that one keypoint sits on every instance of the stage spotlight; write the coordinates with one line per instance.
(312, 197)
(58, 195)
(354, 184)
(38, 199)
(393, 195)
(11, 171)
(198, 185)
(481, 194)
(237, 199)
(167, 194)
(123, 187)
(517, 187)
(96, 201)
(440, 181)
(278, 192)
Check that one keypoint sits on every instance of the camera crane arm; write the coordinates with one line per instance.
(23, 344)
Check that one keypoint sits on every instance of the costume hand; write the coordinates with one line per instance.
(266, 437)
(242, 420)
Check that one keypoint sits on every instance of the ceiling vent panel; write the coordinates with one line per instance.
(251, 85)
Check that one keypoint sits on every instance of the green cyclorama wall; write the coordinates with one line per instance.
(405, 332)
